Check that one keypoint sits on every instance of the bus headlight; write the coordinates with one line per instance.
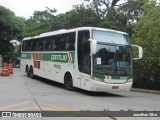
(98, 79)
(130, 80)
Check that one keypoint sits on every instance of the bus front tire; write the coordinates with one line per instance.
(68, 82)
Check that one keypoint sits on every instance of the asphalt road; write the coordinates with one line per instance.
(20, 93)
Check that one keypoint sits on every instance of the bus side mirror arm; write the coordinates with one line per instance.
(140, 50)
(93, 46)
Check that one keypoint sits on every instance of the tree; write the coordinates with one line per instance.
(79, 16)
(10, 28)
(102, 7)
(39, 23)
(146, 34)
(116, 14)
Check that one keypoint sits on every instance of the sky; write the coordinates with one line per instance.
(25, 8)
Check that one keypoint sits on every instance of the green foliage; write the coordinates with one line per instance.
(146, 34)
(39, 23)
(77, 17)
(98, 13)
(10, 28)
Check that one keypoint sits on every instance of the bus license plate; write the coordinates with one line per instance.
(115, 87)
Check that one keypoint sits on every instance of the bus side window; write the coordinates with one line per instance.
(70, 43)
(43, 44)
(62, 43)
(48, 44)
(56, 43)
(49, 48)
(34, 45)
(40, 44)
(53, 44)
(28, 45)
(23, 46)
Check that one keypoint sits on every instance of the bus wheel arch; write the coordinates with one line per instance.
(68, 81)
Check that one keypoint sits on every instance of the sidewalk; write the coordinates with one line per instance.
(145, 90)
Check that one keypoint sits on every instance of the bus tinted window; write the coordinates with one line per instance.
(70, 43)
(83, 52)
(23, 46)
(28, 45)
(48, 44)
(40, 44)
(62, 42)
(34, 45)
(109, 37)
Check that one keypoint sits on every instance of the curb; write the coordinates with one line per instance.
(145, 90)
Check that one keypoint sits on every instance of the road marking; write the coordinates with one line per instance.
(43, 106)
(57, 107)
(14, 105)
(25, 108)
(47, 107)
(50, 109)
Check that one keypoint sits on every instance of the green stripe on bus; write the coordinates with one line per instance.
(67, 57)
(98, 75)
(26, 55)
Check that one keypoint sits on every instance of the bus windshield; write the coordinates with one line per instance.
(113, 59)
(110, 37)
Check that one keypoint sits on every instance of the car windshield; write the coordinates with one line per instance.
(113, 59)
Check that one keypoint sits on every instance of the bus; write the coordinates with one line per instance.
(89, 58)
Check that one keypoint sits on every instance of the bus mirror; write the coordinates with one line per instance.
(93, 46)
(140, 52)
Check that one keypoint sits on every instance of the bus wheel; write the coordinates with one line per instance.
(28, 72)
(26, 68)
(31, 73)
(68, 82)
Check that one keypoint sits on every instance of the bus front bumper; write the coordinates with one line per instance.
(106, 87)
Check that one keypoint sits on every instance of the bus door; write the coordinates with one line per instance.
(84, 59)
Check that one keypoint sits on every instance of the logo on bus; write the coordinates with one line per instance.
(59, 57)
(62, 57)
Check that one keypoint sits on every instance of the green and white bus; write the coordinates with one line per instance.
(89, 58)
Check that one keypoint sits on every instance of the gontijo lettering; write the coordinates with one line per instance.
(59, 57)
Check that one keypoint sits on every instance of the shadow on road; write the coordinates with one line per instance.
(99, 94)
(80, 91)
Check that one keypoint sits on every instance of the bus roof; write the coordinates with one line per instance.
(72, 30)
